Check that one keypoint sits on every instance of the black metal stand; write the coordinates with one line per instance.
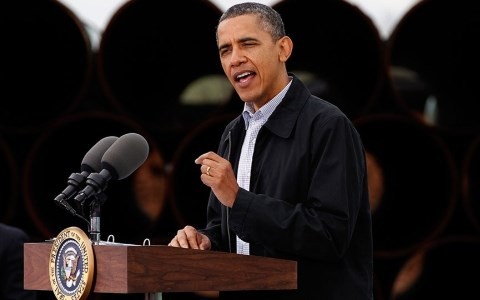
(95, 213)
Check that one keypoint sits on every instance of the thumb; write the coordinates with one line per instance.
(203, 242)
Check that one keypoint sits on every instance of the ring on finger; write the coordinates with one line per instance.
(208, 171)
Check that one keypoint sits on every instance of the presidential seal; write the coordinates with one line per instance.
(71, 265)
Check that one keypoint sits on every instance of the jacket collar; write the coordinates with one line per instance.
(283, 119)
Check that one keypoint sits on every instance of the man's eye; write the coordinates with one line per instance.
(224, 52)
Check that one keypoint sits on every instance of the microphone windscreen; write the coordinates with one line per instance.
(125, 155)
(92, 161)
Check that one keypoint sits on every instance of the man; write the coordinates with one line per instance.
(289, 177)
(11, 264)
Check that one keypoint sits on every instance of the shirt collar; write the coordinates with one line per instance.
(266, 110)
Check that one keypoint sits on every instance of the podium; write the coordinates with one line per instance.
(124, 269)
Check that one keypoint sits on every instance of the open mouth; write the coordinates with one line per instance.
(242, 77)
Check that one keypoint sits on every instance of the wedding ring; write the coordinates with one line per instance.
(208, 171)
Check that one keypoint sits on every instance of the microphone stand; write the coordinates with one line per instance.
(95, 212)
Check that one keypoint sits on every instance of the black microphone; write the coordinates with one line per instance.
(120, 160)
(91, 163)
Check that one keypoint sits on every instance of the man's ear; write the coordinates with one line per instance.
(286, 47)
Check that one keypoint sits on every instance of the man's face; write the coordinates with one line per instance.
(250, 59)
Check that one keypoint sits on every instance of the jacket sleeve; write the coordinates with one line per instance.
(213, 229)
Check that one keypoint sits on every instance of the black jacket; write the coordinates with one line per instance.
(11, 264)
(308, 199)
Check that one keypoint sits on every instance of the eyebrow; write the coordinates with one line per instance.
(240, 41)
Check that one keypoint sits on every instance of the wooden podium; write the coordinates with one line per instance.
(126, 269)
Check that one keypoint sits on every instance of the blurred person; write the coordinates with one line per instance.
(11, 264)
(289, 178)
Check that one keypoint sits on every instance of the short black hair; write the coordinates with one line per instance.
(271, 20)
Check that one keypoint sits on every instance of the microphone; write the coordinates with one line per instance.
(123, 157)
(91, 163)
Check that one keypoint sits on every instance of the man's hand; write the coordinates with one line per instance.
(217, 173)
(189, 237)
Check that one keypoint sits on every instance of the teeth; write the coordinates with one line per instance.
(243, 75)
